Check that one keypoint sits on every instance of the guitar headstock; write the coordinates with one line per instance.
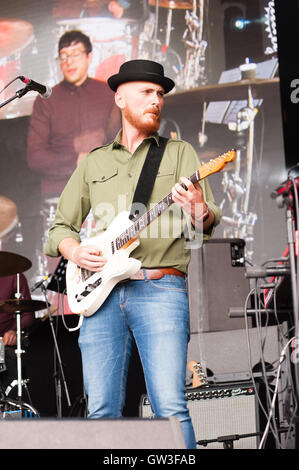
(217, 164)
(229, 156)
(199, 377)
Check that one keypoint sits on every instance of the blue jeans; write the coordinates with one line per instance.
(156, 314)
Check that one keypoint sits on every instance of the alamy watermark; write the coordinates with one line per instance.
(295, 93)
(158, 222)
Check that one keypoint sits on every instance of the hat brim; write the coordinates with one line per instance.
(115, 80)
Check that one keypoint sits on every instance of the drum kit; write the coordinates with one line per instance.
(14, 264)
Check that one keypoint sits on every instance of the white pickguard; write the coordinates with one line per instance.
(119, 266)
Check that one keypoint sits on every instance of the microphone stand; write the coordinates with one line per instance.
(60, 374)
(18, 94)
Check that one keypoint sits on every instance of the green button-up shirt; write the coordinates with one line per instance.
(105, 182)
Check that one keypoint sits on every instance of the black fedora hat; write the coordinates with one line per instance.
(141, 70)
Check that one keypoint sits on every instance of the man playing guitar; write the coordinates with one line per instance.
(150, 303)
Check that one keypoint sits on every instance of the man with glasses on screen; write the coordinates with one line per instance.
(79, 116)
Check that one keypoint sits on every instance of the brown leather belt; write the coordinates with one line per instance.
(156, 273)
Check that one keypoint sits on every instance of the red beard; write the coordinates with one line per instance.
(146, 127)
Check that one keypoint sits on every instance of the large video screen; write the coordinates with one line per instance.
(212, 49)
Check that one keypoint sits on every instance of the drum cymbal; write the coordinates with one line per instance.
(21, 305)
(14, 36)
(10, 263)
(173, 4)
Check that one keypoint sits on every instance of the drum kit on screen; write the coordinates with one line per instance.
(117, 40)
(114, 41)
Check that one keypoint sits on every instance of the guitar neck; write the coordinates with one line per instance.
(213, 166)
(148, 217)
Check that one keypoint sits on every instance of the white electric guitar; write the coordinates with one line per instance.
(87, 290)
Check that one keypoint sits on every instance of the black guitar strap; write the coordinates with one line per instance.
(147, 177)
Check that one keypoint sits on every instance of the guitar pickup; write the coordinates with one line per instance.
(88, 289)
(85, 274)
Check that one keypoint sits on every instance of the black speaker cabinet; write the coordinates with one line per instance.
(217, 282)
(219, 412)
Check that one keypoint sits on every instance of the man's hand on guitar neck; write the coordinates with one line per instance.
(86, 256)
(190, 198)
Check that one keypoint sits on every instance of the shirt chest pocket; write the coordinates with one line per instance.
(104, 186)
(165, 180)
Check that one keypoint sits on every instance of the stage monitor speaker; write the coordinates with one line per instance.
(38, 433)
(218, 413)
(217, 282)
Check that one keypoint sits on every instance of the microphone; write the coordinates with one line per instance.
(44, 90)
(40, 283)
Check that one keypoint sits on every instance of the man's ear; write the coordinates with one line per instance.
(119, 99)
(89, 57)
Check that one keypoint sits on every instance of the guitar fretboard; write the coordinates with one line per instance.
(144, 220)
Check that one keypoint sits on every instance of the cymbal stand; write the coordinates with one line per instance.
(247, 228)
(242, 221)
(194, 70)
(60, 373)
(167, 29)
(19, 350)
(250, 141)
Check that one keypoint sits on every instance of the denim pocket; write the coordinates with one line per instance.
(169, 282)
